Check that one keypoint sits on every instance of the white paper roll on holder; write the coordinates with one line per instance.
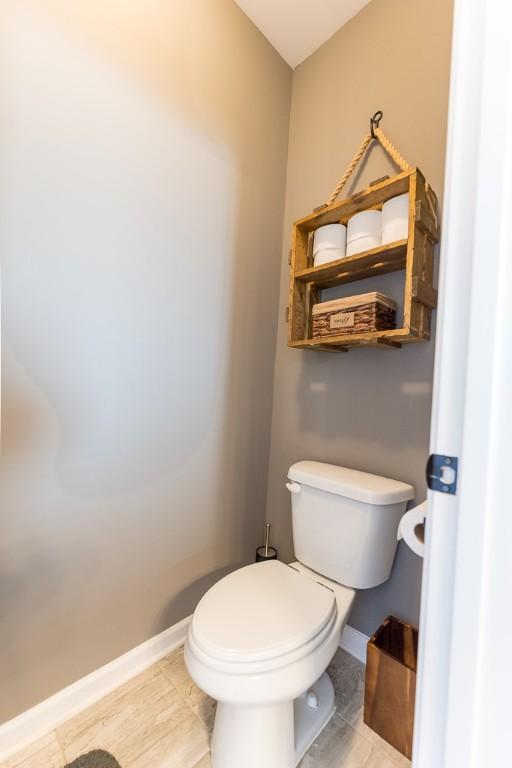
(412, 528)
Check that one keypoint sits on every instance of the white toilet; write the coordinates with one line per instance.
(261, 638)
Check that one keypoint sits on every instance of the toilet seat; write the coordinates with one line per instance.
(262, 615)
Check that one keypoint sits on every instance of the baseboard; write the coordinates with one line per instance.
(44, 717)
(354, 642)
(17, 733)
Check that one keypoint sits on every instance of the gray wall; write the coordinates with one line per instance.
(143, 152)
(367, 409)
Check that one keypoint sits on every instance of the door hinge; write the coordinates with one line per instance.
(442, 473)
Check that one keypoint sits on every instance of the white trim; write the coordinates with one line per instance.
(462, 710)
(22, 730)
(354, 642)
(478, 695)
(447, 427)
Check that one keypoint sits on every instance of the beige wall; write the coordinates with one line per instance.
(367, 409)
(143, 154)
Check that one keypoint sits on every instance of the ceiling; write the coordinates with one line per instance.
(296, 28)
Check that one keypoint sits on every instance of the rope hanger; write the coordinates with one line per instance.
(376, 134)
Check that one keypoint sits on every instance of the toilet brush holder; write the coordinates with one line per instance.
(266, 552)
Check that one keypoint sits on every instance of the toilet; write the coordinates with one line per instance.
(261, 639)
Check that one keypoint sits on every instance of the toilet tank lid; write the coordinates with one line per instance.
(351, 483)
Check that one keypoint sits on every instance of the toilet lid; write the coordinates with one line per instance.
(260, 612)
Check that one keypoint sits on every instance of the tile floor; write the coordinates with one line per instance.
(160, 719)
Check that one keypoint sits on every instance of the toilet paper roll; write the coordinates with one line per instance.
(327, 255)
(397, 230)
(330, 236)
(362, 244)
(365, 224)
(412, 528)
(395, 219)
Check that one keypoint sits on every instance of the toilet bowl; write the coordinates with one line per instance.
(261, 638)
(259, 641)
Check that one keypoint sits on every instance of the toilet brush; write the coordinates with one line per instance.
(266, 552)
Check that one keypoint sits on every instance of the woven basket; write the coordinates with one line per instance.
(355, 314)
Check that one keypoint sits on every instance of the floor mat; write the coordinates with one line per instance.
(96, 759)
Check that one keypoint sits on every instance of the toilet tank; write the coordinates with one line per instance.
(345, 522)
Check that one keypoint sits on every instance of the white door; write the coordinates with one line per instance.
(465, 680)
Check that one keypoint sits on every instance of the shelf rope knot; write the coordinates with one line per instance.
(375, 134)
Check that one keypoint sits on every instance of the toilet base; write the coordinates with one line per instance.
(274, 735)
(310, 722)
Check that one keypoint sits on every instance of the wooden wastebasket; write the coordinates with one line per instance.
(390, 685)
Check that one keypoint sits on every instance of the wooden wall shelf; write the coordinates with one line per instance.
(378, 261)
(414, 255)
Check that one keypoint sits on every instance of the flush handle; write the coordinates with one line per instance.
(293, 487)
